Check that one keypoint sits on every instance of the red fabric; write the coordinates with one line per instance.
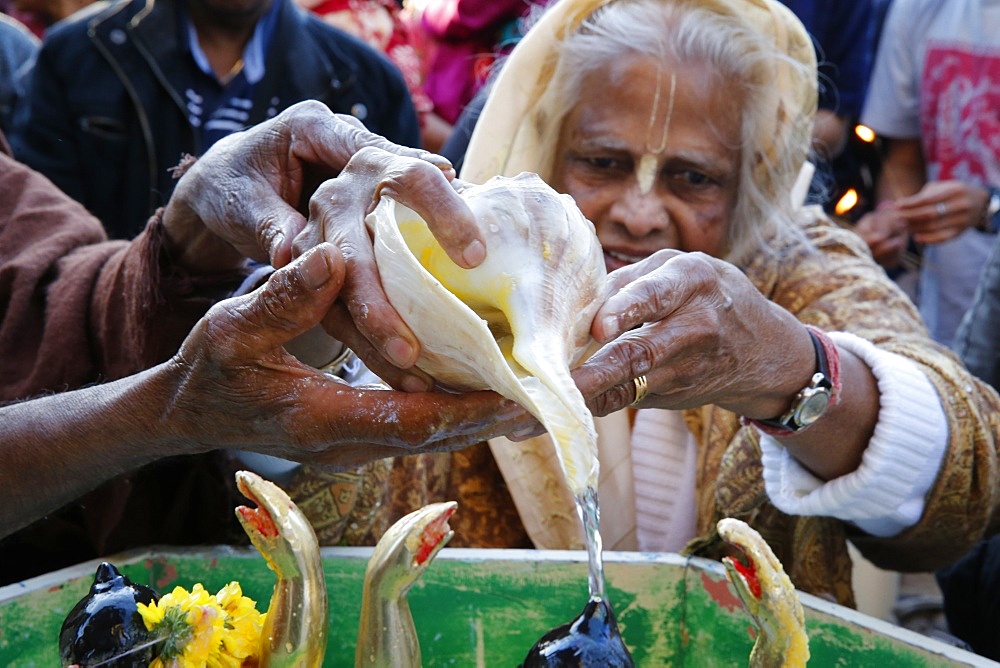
(958, 119)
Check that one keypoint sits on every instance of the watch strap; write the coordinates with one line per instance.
(832, 360)
(827, 365)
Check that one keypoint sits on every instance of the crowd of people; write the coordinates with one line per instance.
(188, 286)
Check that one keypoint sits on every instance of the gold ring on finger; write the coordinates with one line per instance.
(641, 389)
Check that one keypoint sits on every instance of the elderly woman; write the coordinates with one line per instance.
(780, 377)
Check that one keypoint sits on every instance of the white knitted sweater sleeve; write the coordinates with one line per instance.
(885, 495)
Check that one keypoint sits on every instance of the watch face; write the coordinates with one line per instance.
(812, 405)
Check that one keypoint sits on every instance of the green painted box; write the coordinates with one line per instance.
(485, 608)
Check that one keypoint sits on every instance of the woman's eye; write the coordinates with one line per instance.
(598, 163)
(693, 181)
(694, 178)
(602, 163)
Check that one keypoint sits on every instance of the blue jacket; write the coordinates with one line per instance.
(105, 116)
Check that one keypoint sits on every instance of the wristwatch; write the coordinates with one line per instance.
(991, 215)
(812, 400)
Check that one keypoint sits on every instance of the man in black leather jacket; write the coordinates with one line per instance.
(123, 90)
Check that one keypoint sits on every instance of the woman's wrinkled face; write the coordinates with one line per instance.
(650, 154)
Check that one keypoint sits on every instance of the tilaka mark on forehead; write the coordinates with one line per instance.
(646, 169)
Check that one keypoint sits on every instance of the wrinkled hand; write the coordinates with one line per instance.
(246, 197)
(237, 387)
(885, 232)
(362, 316)
(709, 337)
(942, 210)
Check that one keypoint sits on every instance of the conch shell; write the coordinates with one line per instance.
(517, 323)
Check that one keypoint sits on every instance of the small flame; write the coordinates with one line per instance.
(847, 202)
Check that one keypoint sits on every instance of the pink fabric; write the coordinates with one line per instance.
(466, 32)
(468, 20)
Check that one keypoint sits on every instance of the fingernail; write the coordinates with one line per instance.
(400, 352)
(609, 326)
(439, 161)
(510, 411)
(275, 242)
(521, 434)
(314, 270)
(474, 253)
(412, 383)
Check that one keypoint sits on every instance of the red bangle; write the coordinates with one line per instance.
(828, 366)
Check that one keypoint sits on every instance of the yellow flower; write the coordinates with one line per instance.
(243, 622)
(152, 614)
(204, 631)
